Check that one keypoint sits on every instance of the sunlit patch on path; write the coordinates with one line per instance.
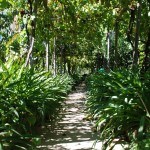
(71, 131)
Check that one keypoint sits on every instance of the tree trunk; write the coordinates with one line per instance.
(47, 56)
(116, 43)
(136, 51)
(98, 61)
(54, 57)
(108, 50)
(61, 60)
(29, 58)
(64, 58)
(31, 36)
(146, 62)
(69, 66)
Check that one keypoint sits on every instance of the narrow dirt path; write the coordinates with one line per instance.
(71, 131)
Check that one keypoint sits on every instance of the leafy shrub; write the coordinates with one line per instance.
(119, 102)
(27, 99)
(76, 78)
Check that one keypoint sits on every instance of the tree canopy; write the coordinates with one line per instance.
(63, 36)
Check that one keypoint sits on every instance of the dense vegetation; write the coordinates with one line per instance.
(118, 101)
(46, 43)
(28, 98)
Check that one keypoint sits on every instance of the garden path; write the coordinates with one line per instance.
(71, 131)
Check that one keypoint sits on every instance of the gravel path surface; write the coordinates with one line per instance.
(71, 131)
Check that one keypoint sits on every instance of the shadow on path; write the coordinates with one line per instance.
(70, 131)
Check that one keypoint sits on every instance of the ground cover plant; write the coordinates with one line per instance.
(118, 101)
(28, 98)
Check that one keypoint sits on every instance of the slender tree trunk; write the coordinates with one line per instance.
(146, 62)
(43, 63)
(98, 61)
(69, 66)
(47, 56)
(108, 50)
(54, 57)
(28, 59)
(35, 16)
(64, 58)
(104, 61)
(116, 43)
(136, 51)
(61, 61)
(31, 36)
(68, 59)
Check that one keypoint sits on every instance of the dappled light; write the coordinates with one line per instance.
(70, 131)
(74, 74)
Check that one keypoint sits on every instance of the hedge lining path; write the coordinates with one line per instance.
(71, 131)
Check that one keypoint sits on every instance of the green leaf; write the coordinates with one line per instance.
(3, 4)
(36, 141)
(21, 147)
(16, 113)
(4, 134)
(16, 132)
(1, 146)
(141, 128)
(32, 120)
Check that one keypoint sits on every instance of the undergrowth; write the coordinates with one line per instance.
(27, 99)
(119, 103)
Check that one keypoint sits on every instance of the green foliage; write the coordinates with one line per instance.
(119, 102)
(3, 4)
(76, 78)
(69, 23)
(27, 99)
